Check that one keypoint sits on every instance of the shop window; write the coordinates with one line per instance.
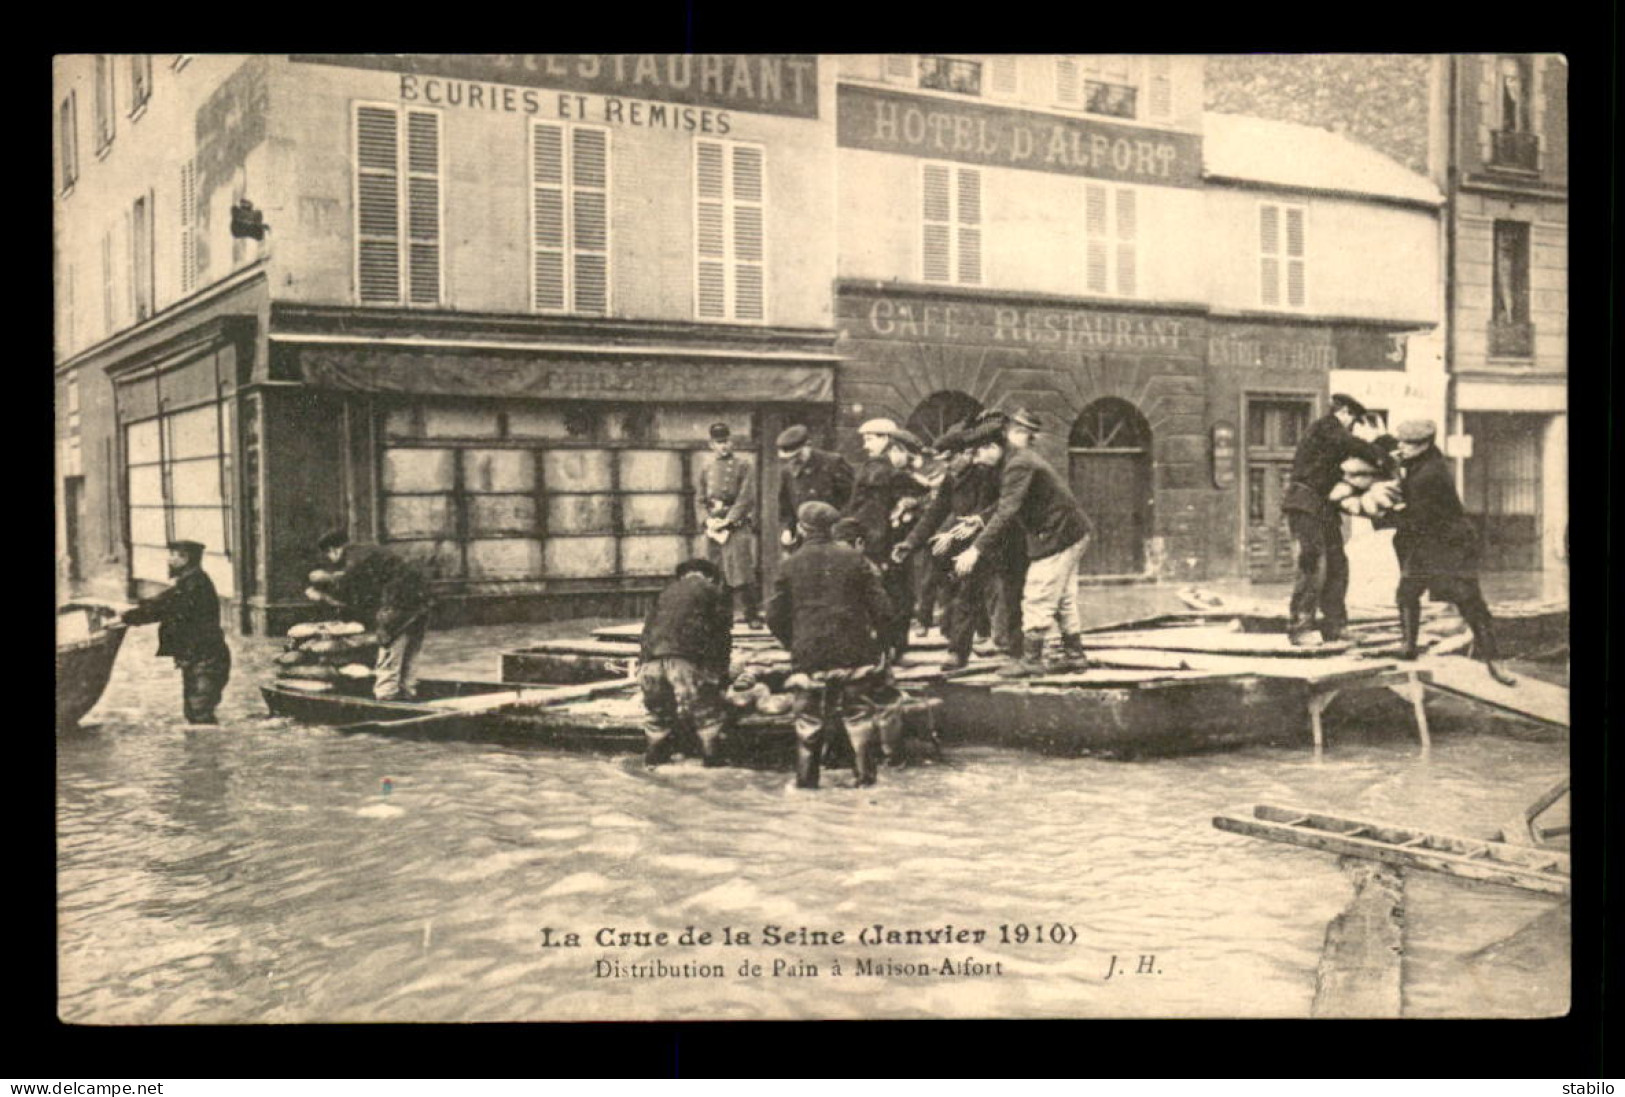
(1111, 239)
(570, 218)
(105, 108)
(1282, 254)
(177, 472)
(398, 205)
(951, 232)
(140, 82)
(951, 74)
(68, 141)
(730, 210)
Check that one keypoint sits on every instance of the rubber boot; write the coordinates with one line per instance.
(710, 747)
(1031, 661)
(1484, 647)
(863, 756)
(658, 751)
(807, 764)
(890, 719)
(1072, 657)
(1410, 629)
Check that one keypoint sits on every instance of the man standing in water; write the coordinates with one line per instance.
(188, 619)
(1437, 546)
(687, 641)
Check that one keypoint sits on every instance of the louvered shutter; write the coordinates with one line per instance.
(378, 260)
(969, 228)
(107, 281)
(1160, 93)
(423, 206)
(710, 244)
(937, 240)
(1068, 83)
(1269, 246)
(1295, 257)
(748, 243)
(188, 223)
(1096, 240)
(1127, 244)
(547, 205)
(1004, 73)
(589, 219)
(900, 67)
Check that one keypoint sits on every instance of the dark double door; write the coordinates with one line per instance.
(1110, 473)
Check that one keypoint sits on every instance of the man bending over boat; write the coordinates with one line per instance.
(188, 619)
(687, 641)
(389, 594)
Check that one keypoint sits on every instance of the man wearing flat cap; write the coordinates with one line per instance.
(727, 502)
(1437, 546)
(390, 595)
(188, 619)
(1322, 579)
(807, 475)
(879, 492)
(683, 663)
(829, 609)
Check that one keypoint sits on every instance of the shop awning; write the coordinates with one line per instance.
(531, 371)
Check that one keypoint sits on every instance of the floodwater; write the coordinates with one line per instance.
(268, 872)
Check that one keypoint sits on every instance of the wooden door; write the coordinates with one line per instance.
(1110, 473)
(1274, 427)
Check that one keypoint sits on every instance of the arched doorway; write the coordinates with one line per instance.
(1110, 470)
(941, 410)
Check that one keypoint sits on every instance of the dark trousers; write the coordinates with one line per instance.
(1323, 572)
(747, 601)
(203, 679)
(965, 610)
(684, 705)
(1464, 593)
(1005, 584)
(898, 582)
(929, 587)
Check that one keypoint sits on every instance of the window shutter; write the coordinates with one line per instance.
(710, 214)
(1160, 93)
(1127, 246)
(1095, 241)
(378, 204)
(547, 208)
(900, 67)
(936, 206)
(188, 223)
(1005, 76)
(1295, 257)
(748, 244)
(1068, 84)
(107, 281)
(970, 226)
(1269, 246)
(589, 218)
(423, 206)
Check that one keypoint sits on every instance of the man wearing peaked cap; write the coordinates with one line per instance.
(727, 502)
(1437, 546)
(807, 475)
(1322, 579)
(188, 619)
(882, 483)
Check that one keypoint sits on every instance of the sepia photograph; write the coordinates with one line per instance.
(715, 536)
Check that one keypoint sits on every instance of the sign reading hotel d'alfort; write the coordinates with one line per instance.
(946, 129)
(763, 83)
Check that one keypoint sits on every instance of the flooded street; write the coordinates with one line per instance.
(268, 872)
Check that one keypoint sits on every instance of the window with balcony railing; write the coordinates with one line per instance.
(1515, 149)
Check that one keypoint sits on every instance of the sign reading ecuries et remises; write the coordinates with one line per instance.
(917, 125)
(764, 83)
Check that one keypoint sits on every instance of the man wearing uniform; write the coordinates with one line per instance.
(188, 619)
(809, 475)
(829, 609)
(1034, 499)
(393, 597)
(1317, 529)
(687, 641)
(951, 518)
(1437, 546)
(727, 500)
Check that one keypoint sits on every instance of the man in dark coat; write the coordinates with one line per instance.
(390, 595)
(1007, 567)
(882, 485)
(1317, 527)
(829, 609)
(687, 641)
(809, 475)
(188, 619)
(1034, 499)
(949, 522)
(1437, 546)
(727, 501)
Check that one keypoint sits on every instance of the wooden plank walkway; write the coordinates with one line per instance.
(1216, 640)
(1530, 698)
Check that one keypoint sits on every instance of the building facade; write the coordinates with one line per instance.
(499, 301)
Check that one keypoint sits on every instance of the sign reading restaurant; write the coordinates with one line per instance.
(1071, 328)
(917, 125)
(764, 83)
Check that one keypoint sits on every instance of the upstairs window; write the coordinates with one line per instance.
(951, 74)
(1107, 86)
(68, 141)
(570, 218)
(951, 230)
(188, 226)
(730, 212)
(140, 82)
(108, 318)
(1283, 255)
(1511, 276)
(104, 102)
(141, 257)
(1512, 86)
(1111, 239)
(398, 205)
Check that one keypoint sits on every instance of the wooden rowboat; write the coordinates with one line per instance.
(88, 641)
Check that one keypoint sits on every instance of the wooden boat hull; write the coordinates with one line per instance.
(83, 668)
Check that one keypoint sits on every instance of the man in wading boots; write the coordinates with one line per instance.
(687, 641)
(830, 610)
(1437, 546)
(1033, 500)
(188, 618)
